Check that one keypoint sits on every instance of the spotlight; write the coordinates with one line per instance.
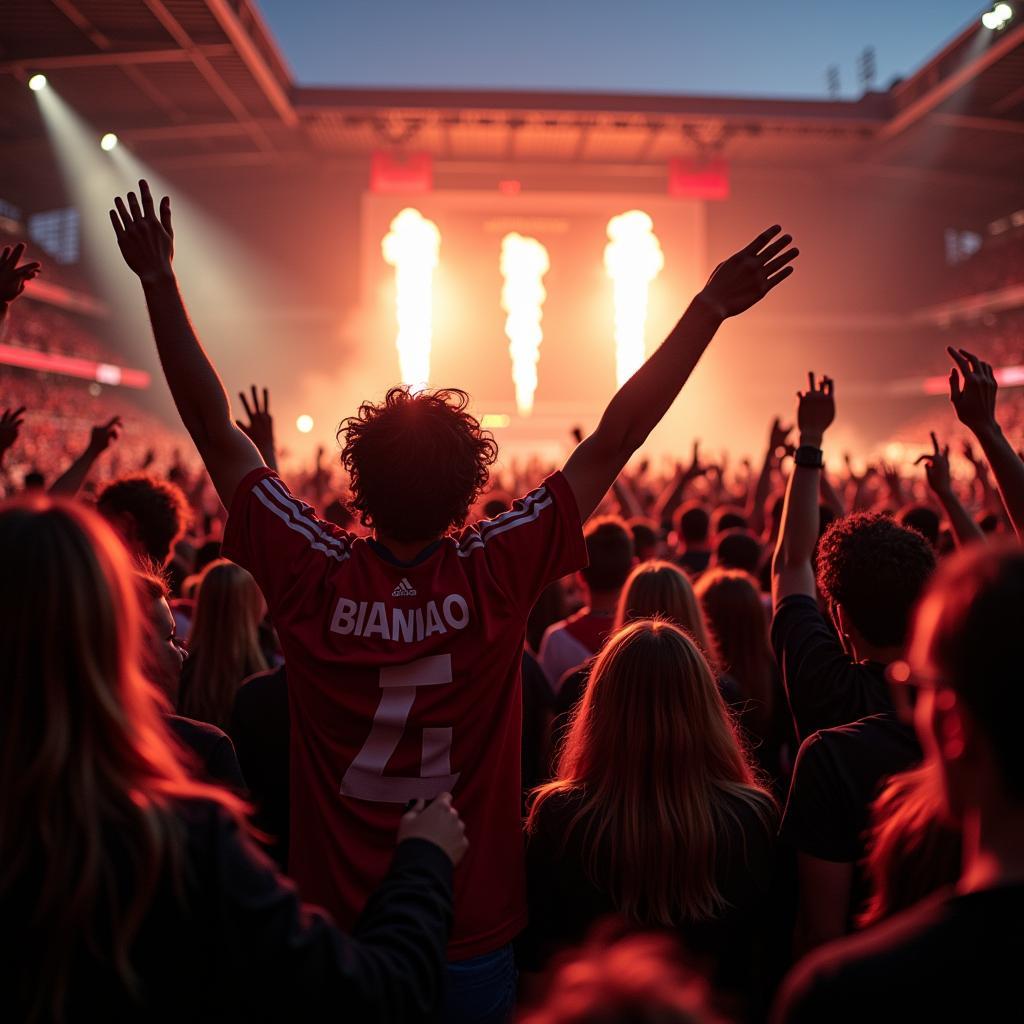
(998, 17)
(108, 142)
(304, 424)
(37, 82)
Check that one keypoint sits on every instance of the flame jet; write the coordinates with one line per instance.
(632, 259)
(524, 262)
(412, 247)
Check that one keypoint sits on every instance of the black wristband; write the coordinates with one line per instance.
(809, 457)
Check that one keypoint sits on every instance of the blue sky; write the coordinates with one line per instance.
(731, 47)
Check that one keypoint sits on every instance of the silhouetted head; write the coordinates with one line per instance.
(417, 462)
(692, 524)
(871, 571)
(923, 519)
(738, 549)
(646, 538)
(661, 590)
(727, 518)
(965, 658)
(609, 554)
(150, 514)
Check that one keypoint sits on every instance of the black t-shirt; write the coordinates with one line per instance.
(260, 726)
(536, 719)
(564, 903)
(838, 774)
(233, 942)
(213, 751)
(950, 958)
(825, 686)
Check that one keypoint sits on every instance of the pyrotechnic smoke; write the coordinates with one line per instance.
(632, 259)
(411, 247)
(524, 262)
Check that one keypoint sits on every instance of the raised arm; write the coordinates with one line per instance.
(936, 470)
(778, 440)
(742, 280)
(675, 491)
(792, 568)
(974, 399)
(13, 278)
(146, 241)
(69, 483)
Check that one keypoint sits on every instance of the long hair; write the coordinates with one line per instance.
(912, 848)
(224, 643)
(739, 627)
(656, 770)
(86, 764)
(662, 590)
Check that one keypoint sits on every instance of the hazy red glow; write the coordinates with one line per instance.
(71, 366)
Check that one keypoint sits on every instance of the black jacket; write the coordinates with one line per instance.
(239, 945)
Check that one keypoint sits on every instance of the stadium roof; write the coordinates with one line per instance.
(192, 82)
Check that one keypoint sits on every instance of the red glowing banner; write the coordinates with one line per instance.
(71, 366)
(693, 179)
(390, 173)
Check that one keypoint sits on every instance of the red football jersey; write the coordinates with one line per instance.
(404, 681)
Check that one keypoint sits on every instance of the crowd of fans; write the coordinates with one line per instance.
(997, 264)
(718, 743)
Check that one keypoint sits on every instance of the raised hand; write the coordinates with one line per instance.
(747, 276)
(12, 277)
(10, 423)
(696, 468)
(260, 428)
(438, 822)
(105, 435)
(778, 439)
(974, 397)
(815, 411)
(936, 468)
(146, 240)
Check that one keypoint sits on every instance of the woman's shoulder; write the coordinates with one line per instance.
(552, 810)
(750, 814)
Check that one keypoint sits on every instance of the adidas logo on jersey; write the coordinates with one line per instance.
(404, 589)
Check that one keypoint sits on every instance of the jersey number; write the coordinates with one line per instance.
(365, 778)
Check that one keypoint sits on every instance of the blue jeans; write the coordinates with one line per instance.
(481, 990)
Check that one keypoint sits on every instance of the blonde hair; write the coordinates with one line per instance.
(658, 589)
(657, 768)
(224, 643)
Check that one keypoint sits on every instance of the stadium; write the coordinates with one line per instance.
(517, 646)
(200, 94)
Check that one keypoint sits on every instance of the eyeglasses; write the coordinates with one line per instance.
(178, 644)
(899, 673)
(907, 684)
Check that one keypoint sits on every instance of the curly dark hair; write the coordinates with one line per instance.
(416, 461)
(158, 509)
(876, 569)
